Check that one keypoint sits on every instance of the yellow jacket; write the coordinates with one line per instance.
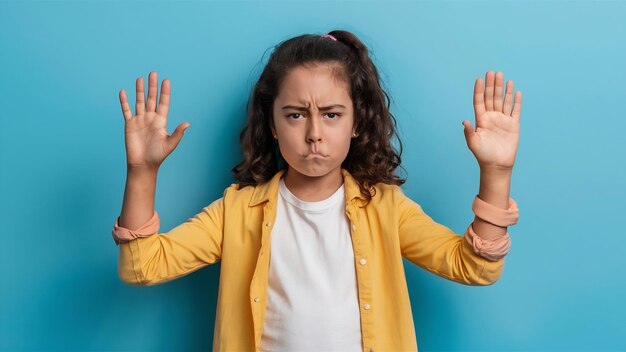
(236, 230)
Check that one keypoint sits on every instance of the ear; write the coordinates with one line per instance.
(273, 131)
(272, 127)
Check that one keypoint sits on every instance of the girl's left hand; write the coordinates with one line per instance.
(494, 142)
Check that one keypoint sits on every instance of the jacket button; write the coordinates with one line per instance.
(366, 306)
(353, 227)
(362, 261)
(268, 224)
(256, 299)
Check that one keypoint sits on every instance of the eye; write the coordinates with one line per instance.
(334, 115)
(292, 116)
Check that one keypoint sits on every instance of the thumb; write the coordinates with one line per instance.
(468, 130)
(177, 135)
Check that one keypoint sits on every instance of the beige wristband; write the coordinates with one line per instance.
(494, 215)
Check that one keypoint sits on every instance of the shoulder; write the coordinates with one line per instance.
(236, 192)
(384, 192)
(252, 195)
(237, 189)
(389, 195)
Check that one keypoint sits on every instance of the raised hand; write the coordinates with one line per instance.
(494, 142)
(146, 137)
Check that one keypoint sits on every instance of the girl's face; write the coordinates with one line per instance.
(313, 121)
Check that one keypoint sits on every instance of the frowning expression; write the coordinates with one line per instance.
(313, 120)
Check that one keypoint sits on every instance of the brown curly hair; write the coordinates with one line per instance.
(371, 159)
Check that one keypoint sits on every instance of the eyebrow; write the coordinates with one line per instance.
(303, 108)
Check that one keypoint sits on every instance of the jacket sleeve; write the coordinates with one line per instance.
(439, 250)
(162, 257)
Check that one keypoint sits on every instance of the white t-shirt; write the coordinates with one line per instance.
(312, 301)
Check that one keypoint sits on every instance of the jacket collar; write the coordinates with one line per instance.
(269, 190)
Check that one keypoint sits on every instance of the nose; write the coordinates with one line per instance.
(313, 133)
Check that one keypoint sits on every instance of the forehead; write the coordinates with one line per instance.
(320, 82)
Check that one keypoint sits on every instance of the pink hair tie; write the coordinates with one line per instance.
(328, 36)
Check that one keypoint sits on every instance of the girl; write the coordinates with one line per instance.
(311, 236)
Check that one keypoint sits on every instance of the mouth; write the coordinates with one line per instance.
(315, 155)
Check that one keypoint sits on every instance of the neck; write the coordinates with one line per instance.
(313, 189)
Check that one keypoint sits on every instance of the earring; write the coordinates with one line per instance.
(354, 134)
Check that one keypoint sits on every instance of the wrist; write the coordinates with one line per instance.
(499, 171)
(495, 186)
(142, 170)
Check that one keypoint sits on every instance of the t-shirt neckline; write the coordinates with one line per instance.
(310, 206)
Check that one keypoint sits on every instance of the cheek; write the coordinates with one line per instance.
(287, 145)
(342, 137)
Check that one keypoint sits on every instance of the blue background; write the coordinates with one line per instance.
(62, 168)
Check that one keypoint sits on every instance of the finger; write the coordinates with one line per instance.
(468, 130)
(497, 94)
(173, 140)
(508, 98)
(479, 97)
(125, 107)
(140, 104)
(164, 99)
(489, 81)
(152, 91)
(517, 107)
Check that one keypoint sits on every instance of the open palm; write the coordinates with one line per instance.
(495, 139)
(146, 137)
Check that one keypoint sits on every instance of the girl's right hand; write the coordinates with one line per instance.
(146, 137)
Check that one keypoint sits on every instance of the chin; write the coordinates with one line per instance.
(313, 170)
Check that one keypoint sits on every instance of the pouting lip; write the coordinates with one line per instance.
(316, 154)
